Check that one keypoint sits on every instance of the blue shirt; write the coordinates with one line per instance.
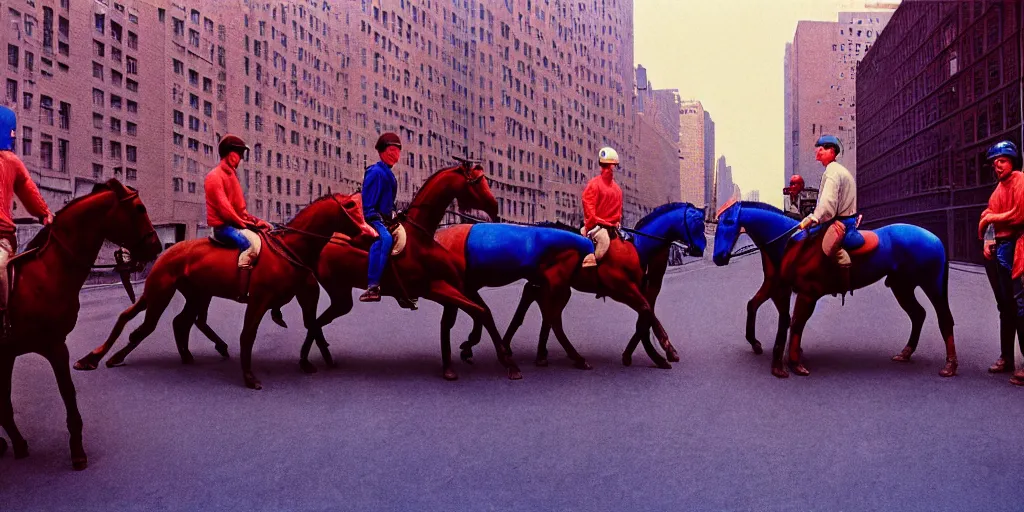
(380, 187)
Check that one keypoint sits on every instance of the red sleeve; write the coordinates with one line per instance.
(590, 206)
(26, 190)
(217, 198)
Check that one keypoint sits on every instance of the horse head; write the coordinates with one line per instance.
(693, 231)
(127, 223)
(727, 233)
(474, 193)
(334, 213)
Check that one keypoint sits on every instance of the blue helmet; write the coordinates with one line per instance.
(1003, 148)
(830, 140)
(8, 127)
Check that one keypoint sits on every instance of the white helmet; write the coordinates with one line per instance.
(608, 156)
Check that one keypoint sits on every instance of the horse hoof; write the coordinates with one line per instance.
(84, 366)
(756, 345)
(664, 365)
(627, 359)
(188, 359)
(949, 370)
(672, 355)
(904, 355)
(515, 375)
(252, 383)
(20, 449)
(780, 372)
(800, 369)
(542, 362)
(114, 363)
(222, 349)
(278, 319)
(79, 463)
(582, 365)
(450, 375)
(467, 356)
(307, 367)
(331, 363)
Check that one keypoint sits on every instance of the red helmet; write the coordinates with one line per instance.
(796, 181)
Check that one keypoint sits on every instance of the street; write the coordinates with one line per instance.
(383, 431)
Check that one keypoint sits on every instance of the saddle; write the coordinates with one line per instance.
(256, 248)
(857, 242)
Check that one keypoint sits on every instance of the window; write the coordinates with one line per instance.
(193, 123)
(97, 171)
(46, 154)
(97, 120)
(46, 110)
(12, 91)
(62, 155)
(132, 85)
(207, 85)
(179, 118)
(133, 107)
(26, 142)
(179, 184)
(115, 77)
(64, 115)
(131, 153)
(179, 27)
(193, 101)
(115, 125)
(193, 145)
(101, 22)
(194, 15)
(132, 129)
(131, 174)
(179, 67)
(98, 49)
(115, 31)
(48, 29)
(179, 139)
(97, 146)
(193, 77)
(12, 57)
(97, 70)
(132, 66)
(193, 37)
(115, 101)
(191, 187)
(133, 41)
(30, 61)
(208, 108)
(115, 149)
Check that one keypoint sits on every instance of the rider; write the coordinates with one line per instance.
(232, 224)
(380, 188)
(837, 201)
(14, 180)
(796, 185)
(602, 206)
(1005, 254)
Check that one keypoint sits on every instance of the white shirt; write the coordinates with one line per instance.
(837, 196)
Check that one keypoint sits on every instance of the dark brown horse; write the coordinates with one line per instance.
(201, 270)
(426, 268)
(47, 279)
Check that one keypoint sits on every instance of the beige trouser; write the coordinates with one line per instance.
(248, 256)
(6, 251)
(833, 244)
(602, 240)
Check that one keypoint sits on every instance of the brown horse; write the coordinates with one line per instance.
(47, 280)
(201, 270)
(426, 268)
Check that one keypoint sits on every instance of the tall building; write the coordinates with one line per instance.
(753, 195)
(820, 95)
(657, 133)
(709, 159)
(926, 119)
(789, 137)
(533, 90)
(691, 152)
(726, 189)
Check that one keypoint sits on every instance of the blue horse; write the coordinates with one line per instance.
(630, 273)
(906, 256)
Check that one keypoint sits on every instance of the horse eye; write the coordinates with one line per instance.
(350, 204)
(141, 208)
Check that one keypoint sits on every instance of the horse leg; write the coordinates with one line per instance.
(445, 294)
(182, 324)
(447, 322)
(157, 304)
(907, 300)
(7, 408)
(939, 298)
(92, 359)
(753, 305)
(308, 298)
(552, 303)
(542, 344)
(204, 309)
(59, 361)
(802, 311)
(781, 298)
(632, 297)
(341, 304)
(525, 300)
(253, 316)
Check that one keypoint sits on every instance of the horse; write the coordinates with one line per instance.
(424, 269)
(907, 257)
(630, 273)
(47, 279)
(200, 270)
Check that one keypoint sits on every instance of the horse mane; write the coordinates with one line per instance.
(558, 225)
(43, 235)
(431, 178)
(761, 206)
(659, 211)
(305, 211)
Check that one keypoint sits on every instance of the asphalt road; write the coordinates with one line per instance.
(385, 432)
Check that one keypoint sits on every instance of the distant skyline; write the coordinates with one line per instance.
(729, 55)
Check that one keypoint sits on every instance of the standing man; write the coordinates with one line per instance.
(226, 213)
(380, 188)
(602, 206)
(837, 201)
(14, 180)
(796, 185)
(1005, 254)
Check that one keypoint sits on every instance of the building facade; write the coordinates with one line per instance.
(725, 187)
(533, 89)
(941, 85)
(691, 152)
(657, 138)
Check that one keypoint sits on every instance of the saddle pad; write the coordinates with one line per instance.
(398, 233)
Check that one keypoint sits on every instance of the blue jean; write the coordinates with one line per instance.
(231, 237)
(1009, 292)
(379, 252)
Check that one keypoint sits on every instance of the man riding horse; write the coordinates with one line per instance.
(1005, 254)
(14, 180)
(232, 224)
(602, 207)
(837, 202)
(380, 188)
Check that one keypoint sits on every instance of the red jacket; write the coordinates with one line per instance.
(225, 203)
(1007, 203)
(602, 202)
(15, 180)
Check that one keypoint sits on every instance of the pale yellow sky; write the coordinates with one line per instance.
(728, 54)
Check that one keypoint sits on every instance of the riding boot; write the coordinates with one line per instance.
(244, 274)
(372, 294)
(1007, 332)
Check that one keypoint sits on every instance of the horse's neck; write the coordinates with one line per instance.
(647, 246)
(428, 207)
(76, 239)
(765, 228)
(307, 248)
